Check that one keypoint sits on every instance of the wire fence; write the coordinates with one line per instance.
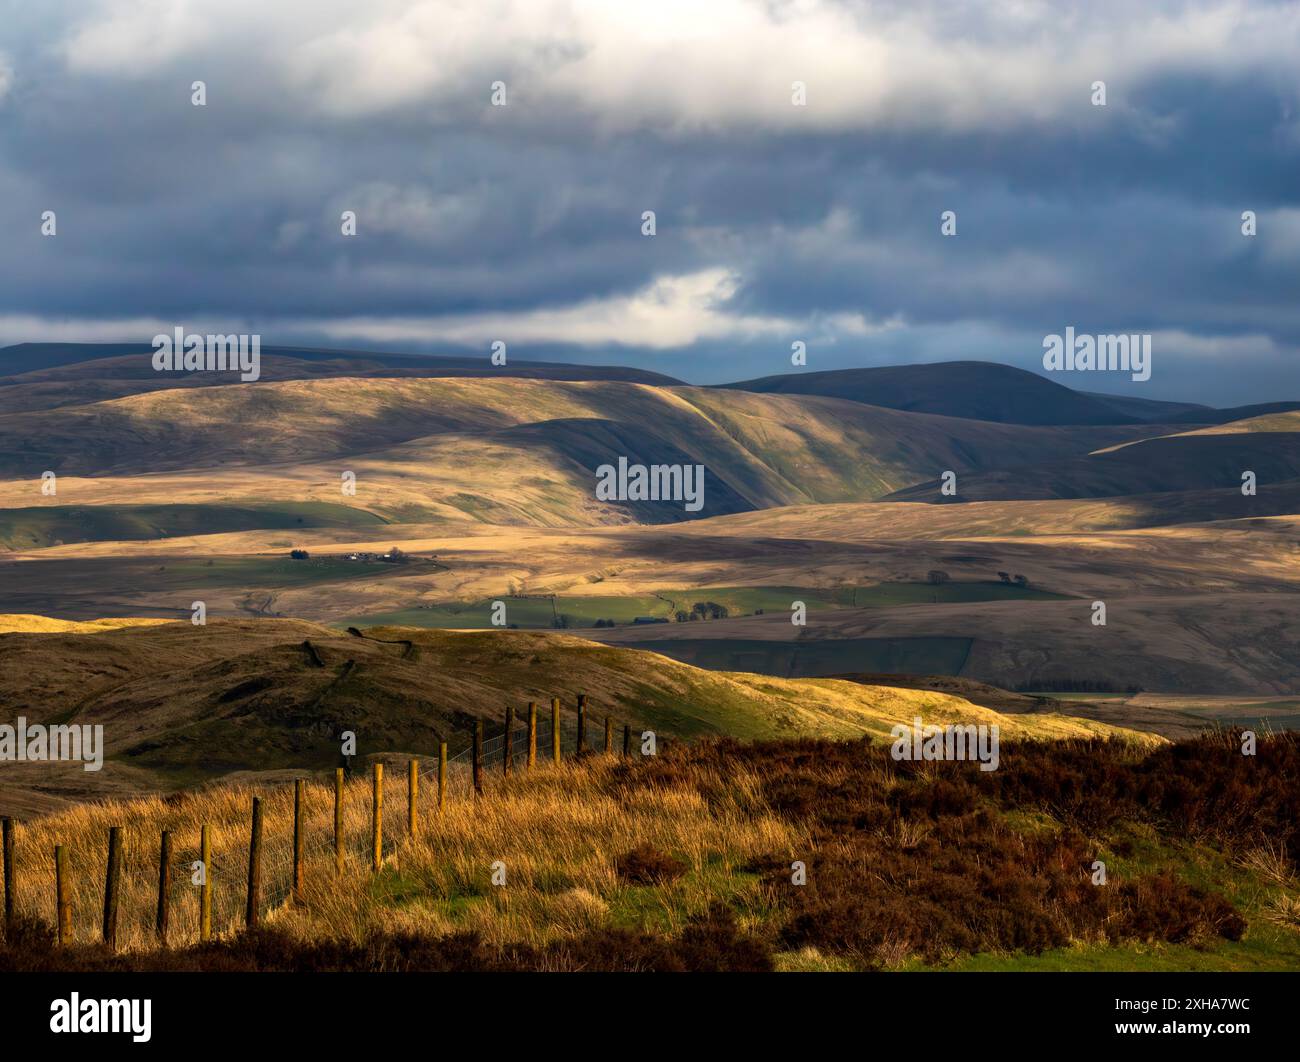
(325, 841)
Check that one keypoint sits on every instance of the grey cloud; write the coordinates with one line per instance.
(1122, 218)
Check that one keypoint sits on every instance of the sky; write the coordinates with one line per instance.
(775, 223)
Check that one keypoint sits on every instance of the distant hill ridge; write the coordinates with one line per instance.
(975, 390)
(971, 390)
(35, 357)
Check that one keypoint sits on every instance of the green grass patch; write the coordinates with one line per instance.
(39, 527)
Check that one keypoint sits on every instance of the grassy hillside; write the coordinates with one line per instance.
(184, 704)
(684, 860)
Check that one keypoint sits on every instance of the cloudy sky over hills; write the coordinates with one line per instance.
(775, 222)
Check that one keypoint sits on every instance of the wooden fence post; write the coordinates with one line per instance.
(508, 749)
(609, 735)
(478, 758)
(338, 821)
(252, 909)
(627, 739)
(582, 725)
(62, 899)
(532, 734)
(112, 886)
(412, 798)
(163, 916)
(377, 819)
(205, 890)
(442, 775)
(11, 889)
(298, 786)
(555, 730)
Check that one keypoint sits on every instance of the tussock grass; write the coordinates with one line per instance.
(559, 832)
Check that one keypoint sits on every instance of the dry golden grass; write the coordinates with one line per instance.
(29, 624)
(557, 830)
(1270, 861)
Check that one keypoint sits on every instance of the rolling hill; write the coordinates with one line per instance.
(503, 450)
(182, 704)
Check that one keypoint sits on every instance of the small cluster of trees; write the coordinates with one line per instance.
(935, 577)
(702, 610)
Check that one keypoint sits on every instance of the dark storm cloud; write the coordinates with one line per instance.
(523, 222)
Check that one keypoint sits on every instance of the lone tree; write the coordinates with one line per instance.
(1005, 576)
(1021, 580)
(299, 554)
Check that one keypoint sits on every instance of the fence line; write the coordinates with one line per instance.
(272, 872)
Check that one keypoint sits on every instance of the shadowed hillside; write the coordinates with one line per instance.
(978, 390)
(1210, 460)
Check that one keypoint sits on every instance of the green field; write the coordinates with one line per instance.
(580, 611)
(38, 527)
(525, 613)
